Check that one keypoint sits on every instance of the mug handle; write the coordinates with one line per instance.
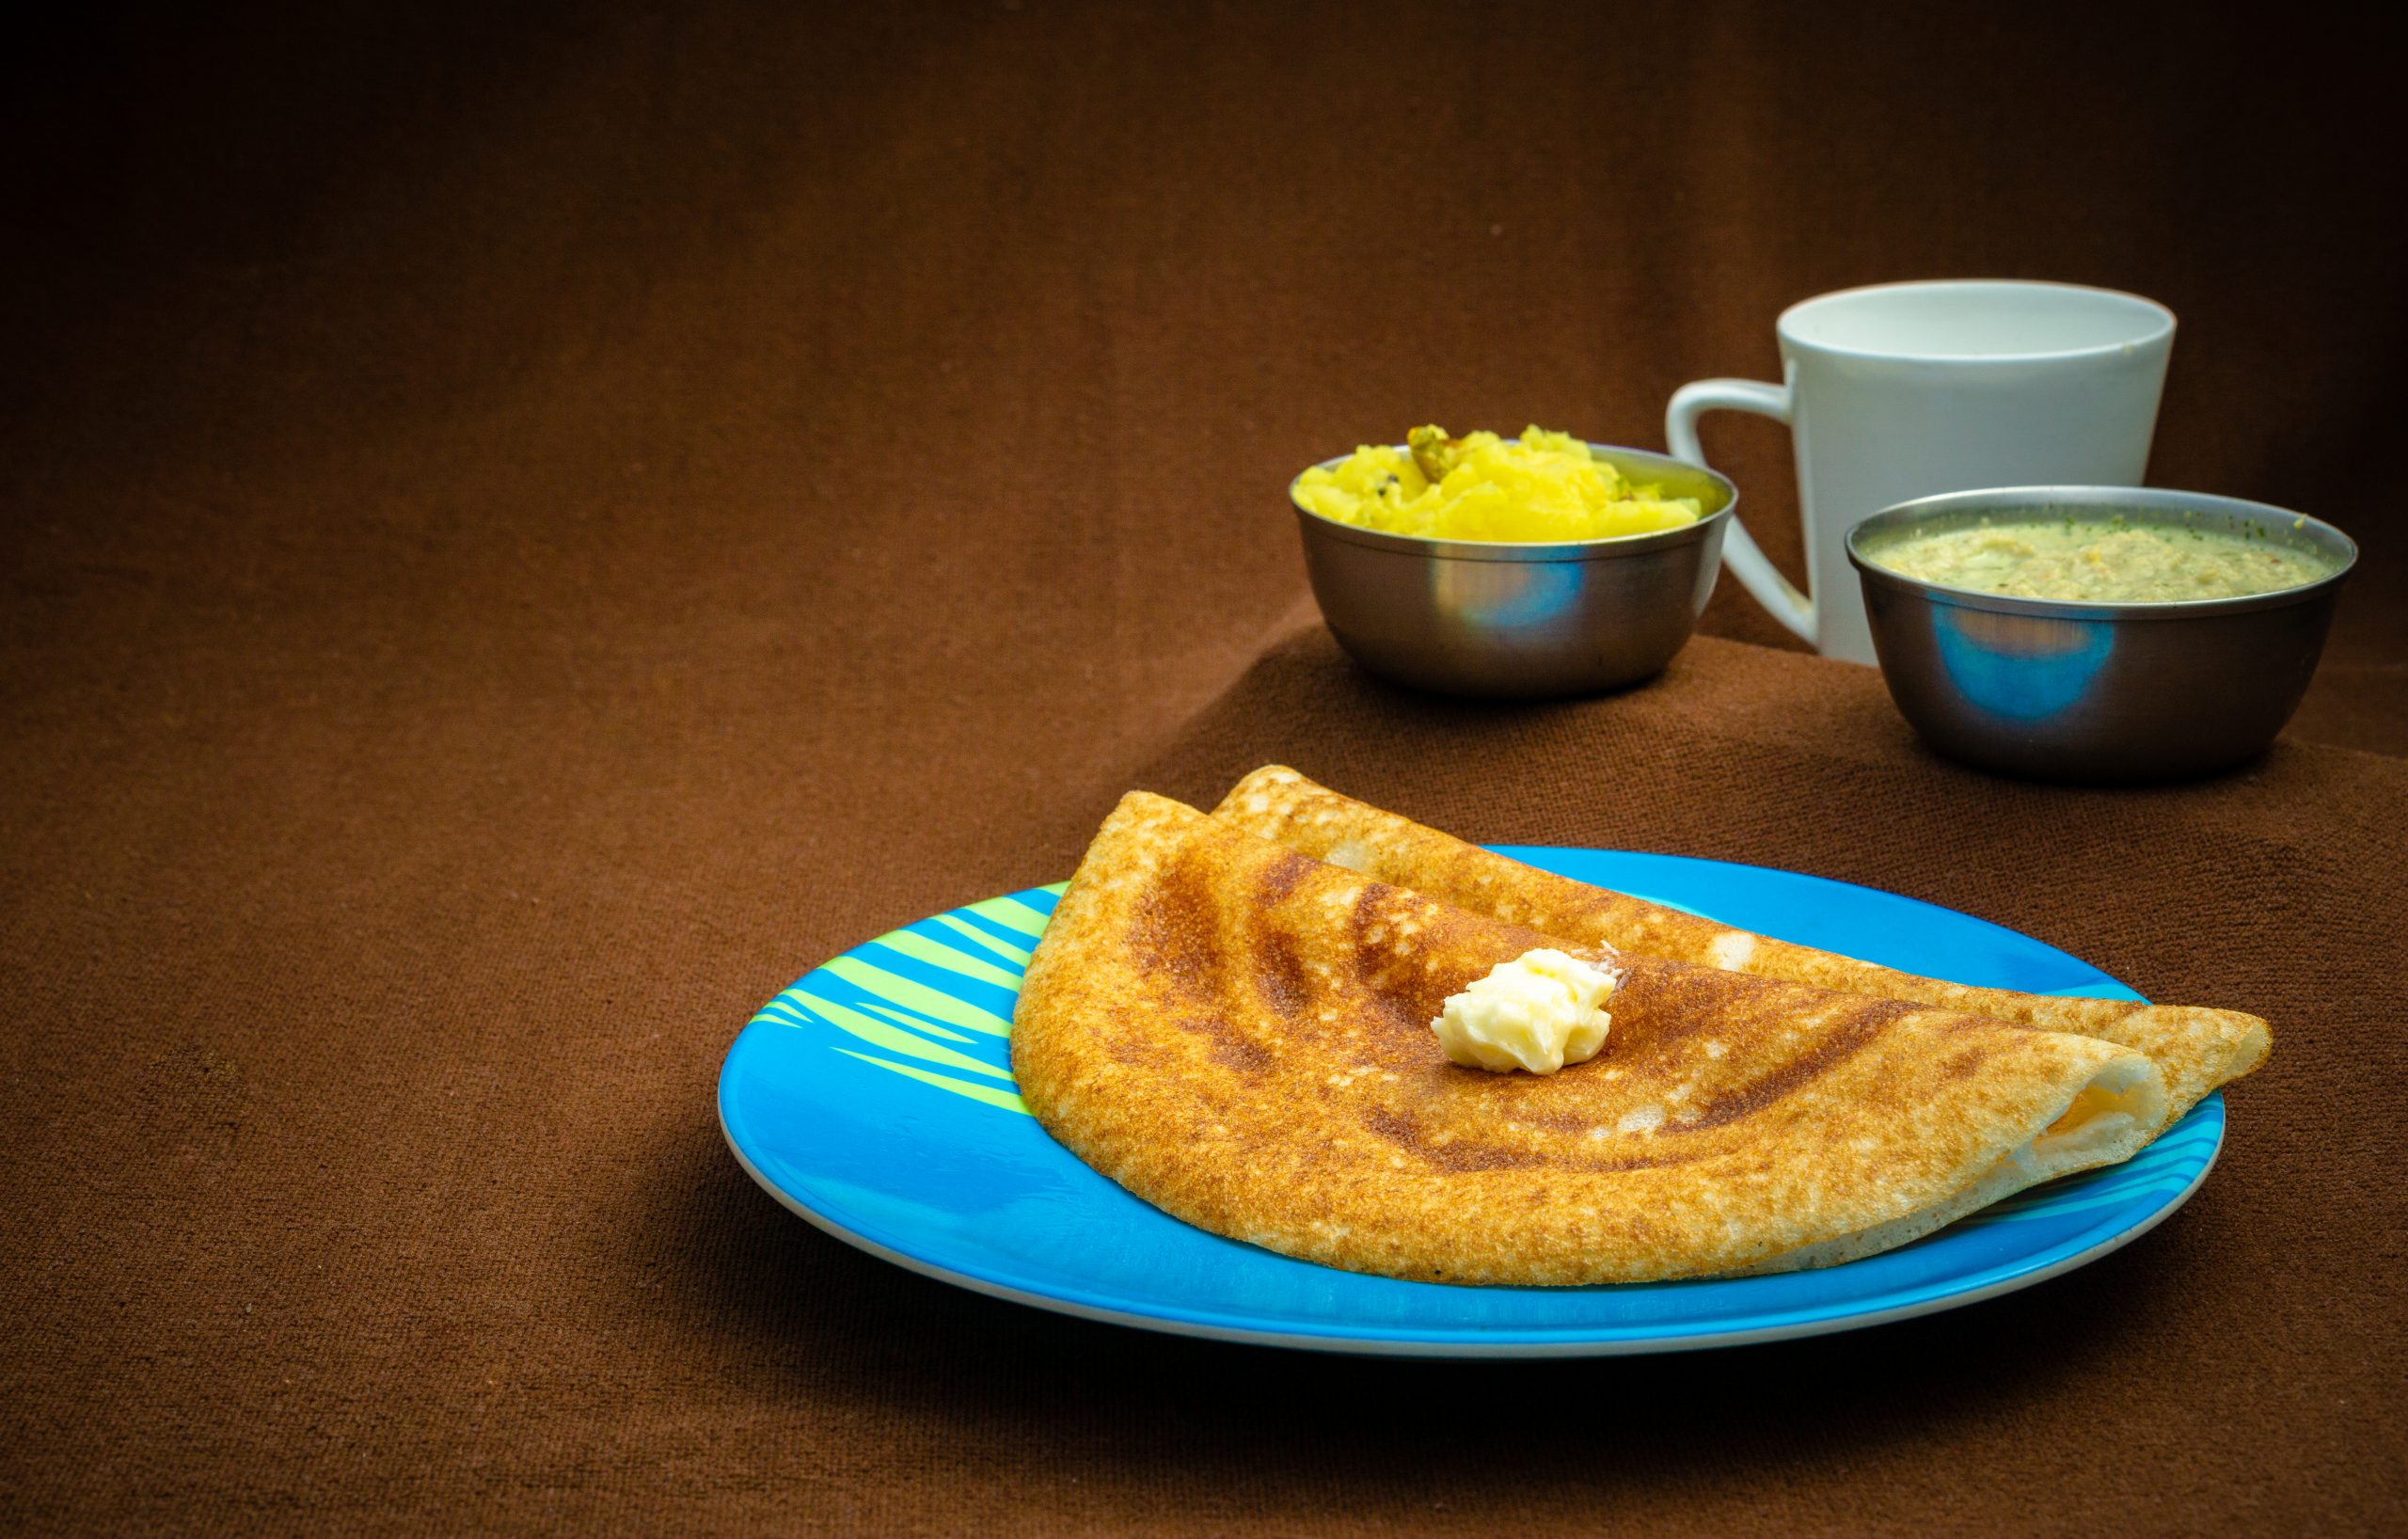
(1747, 562)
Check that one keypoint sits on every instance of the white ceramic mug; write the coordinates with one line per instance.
(1908, 390)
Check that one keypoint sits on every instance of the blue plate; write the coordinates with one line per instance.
(875, 1097)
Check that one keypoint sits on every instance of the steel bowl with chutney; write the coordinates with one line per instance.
(1477, 617)
(2092, 691)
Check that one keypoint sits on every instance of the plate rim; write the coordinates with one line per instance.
(1532, 1342)
(1569, 1343)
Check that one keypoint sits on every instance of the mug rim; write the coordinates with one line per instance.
(2161, 331)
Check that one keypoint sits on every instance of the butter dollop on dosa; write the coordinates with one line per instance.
(1242, 1036)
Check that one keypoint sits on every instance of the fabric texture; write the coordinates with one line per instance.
(521, 533)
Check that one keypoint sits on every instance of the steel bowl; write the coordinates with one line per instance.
(1480, 618)
(2098, 694)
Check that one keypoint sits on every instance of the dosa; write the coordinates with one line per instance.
(1241, 1036)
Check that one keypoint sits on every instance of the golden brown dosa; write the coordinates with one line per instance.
(2197, 1049)
(1241, 1037)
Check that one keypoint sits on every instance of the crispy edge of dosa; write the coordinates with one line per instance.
(2088, 1145)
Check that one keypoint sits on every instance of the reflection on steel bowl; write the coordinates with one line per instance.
(2086, 690)
(1478, 617)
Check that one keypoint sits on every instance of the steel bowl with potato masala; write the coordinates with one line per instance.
(1571, 569)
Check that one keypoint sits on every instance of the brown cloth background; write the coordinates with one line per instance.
(518, 534)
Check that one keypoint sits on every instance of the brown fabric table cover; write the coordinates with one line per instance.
(365, 1169)
(520, 535)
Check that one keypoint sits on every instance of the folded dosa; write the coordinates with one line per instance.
(1241, 1036)
(2197, 1049)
